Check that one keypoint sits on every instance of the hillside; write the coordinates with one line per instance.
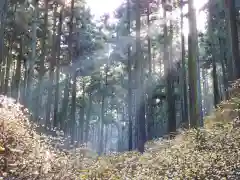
(27, 155)
(209, 153)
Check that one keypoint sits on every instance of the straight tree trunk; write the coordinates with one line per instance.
(130, 126)
(170, 88)
(3, 71)
(31, 61)
(74, 85)
(56, 96)
(192, 68)
(9, 58)
(185, 119)
(42, 61)
(25, 80)
(81, 115)
(51, 74)
(88, 118)
(17, 77)
(64, 108)
(8, 65)
(140, 118)
(234, 36)
(150, 120)
(224, 72)
(214, 57)
(101, 134)
(67, 81)
(73, 108)
(3, 15)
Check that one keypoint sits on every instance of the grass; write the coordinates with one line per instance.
(212, 152)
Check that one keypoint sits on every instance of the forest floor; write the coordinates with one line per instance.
(212, 152)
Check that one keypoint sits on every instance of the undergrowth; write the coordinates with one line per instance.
(212, 152)
(24, 154)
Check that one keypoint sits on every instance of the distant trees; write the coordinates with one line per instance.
(116, 86)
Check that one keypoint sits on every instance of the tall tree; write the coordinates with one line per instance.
(130, 119)
(58, 44)
(140, 117)
(192, 67)
(234, 36)
(184, 71)
(31, 61)
(42, 61)
(213, 46)
(150, 120)
(170, 75)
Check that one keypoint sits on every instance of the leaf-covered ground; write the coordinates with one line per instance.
(209, 153)
(24, 154)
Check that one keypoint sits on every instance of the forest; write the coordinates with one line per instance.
(140, 94)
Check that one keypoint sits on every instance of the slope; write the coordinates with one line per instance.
(212, 152)
(24, 154)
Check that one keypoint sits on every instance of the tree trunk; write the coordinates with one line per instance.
(3, 15)
(234, 36)
(140, 118)
(3, 71)
(185, 119)
(170, 88)
(8, 65)
(17, 77)
(73, 108)
(81, 115)
(214, 57)
(42, 61)
(56, 98)
(64, 108)
(130, 126)
(51, 74)
(223, 64)
(31, 61)
(150, 120)
(88, 118)
(25, 80)
(101, 134)
(192, 67)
